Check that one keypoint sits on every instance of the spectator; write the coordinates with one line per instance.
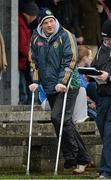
(3, 60)
(54, 51)
(102, 62)
(61, 11)
(104, 9)
(84, 59)
(28, 13)
(67, 12)
(89, 24)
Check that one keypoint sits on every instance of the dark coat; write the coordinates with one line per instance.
(66, 11)
(24, 42)
(89, 22)
(102, 61)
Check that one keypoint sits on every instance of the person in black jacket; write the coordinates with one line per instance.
(102, 62)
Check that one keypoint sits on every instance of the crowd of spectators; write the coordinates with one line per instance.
(82, 19)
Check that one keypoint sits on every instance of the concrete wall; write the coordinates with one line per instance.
(14, 53)
(5, 27)
(14, 132)
(9, 89)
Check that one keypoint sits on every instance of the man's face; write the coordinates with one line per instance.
(48, 26)
(108, 41)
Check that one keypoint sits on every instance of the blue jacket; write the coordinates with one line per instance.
(55, 58)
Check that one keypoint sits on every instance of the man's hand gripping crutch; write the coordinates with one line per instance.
(32, 88)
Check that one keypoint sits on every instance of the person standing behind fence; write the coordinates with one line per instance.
(28, 13)
(54, 51)
(102, 62)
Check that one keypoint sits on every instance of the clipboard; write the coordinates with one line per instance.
(89, 71)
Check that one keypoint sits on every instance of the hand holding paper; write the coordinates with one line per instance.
(101, 79)
(103, 76)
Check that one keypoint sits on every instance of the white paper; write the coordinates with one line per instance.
(97, 80)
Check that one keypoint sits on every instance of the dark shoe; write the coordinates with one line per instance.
(69, 164)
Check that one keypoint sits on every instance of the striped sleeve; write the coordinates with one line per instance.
(69, 57)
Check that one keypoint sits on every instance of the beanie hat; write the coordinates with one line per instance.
(29, 8)
(44, 14)
(106, 29)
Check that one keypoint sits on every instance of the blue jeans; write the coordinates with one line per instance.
(104, 125)
(72, 145)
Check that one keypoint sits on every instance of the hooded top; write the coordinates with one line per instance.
(55, 58)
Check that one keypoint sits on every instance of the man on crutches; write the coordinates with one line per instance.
(54, 51)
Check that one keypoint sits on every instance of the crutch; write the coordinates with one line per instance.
(61, 128)
(30, 135)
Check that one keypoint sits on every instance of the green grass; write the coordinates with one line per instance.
(43, 177)
(34, 177)
(91, 173)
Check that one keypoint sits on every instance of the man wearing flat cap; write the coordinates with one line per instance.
(102, 62)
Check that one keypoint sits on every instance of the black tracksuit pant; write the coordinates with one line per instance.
(72, 145)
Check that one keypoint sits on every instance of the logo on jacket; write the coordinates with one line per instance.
(39, 43)
(56, 44)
